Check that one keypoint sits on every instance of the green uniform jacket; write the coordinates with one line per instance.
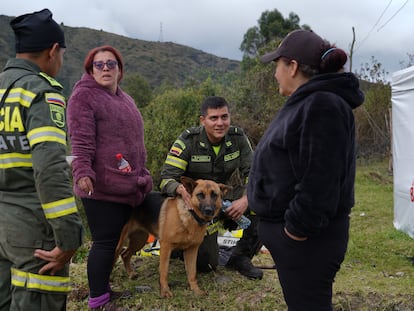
(34, 173)
(192, 155)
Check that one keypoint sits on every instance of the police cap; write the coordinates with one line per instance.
(36, 31)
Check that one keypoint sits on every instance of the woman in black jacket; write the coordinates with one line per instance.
(301, 184)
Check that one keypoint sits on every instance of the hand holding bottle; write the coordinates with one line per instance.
(243, 222)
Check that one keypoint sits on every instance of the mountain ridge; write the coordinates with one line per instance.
(157, 62)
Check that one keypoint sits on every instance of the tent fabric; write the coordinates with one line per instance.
(402, 100)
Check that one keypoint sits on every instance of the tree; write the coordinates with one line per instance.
(252, 42)
(255, 96)
(138, 88)
(271, 26)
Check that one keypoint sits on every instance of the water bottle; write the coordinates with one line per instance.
(243, 221)
(123, 165)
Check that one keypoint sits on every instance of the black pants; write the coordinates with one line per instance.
(208, 254)
(248, 246)
(105, 220)
(307, 269)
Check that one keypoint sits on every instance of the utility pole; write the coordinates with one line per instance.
(161, 38)
(351, 52)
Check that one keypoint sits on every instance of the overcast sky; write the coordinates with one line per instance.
(384, 28)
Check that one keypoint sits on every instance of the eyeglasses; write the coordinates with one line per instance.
(100, 65)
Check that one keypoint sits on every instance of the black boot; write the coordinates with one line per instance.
(245, 267)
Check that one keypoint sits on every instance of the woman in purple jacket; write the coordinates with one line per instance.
(103, 121)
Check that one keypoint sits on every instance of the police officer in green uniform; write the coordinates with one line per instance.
(40, 228)
(219, 152)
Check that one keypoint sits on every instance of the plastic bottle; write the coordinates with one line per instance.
(123, 165)
(243, 221)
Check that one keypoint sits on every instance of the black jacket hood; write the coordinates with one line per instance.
(345, 85)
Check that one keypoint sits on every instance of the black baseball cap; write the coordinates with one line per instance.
(304, 46)
(36, 31)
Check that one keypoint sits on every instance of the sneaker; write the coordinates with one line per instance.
(109, 306)
(245, 267)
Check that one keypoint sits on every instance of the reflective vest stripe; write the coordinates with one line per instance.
(60, 208)
(176, 162)
(46, 134)
(60, 284)
(19, 95)
(165, 181)
(10, 160)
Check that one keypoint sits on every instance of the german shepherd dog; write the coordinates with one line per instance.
(175, 226)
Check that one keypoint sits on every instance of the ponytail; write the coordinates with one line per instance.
(332, 60)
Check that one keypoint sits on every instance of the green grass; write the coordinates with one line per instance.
(377, 274)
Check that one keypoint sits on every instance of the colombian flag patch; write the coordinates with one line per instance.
(55, 98)
(176, 151)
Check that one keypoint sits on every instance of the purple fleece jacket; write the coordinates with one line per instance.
(102, 124)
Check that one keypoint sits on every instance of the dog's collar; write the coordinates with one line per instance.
(200, 221)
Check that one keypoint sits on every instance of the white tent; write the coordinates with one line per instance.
(402, 99)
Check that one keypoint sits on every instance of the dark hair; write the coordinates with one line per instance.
(332, 60)
(213, 102)
(88, 64)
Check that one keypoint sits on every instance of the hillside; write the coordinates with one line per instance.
(157, 62)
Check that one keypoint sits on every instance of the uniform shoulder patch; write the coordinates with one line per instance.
(191, 131)
(50, 80)
(235, 130)
(55, 98)
(57, 106)
(177, 147)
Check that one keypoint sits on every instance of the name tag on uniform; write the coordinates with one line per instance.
(232, 156)
(200, 158)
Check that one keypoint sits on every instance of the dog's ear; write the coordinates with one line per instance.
(224, 188)
(188, 183)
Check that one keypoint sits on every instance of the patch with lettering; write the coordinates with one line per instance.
(57, 114)
(200, 158)
(57, 106)
(232, 156)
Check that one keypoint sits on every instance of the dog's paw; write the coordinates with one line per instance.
(165, 293)
(123, 251)
(200, 292)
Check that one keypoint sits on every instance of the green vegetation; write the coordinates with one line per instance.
(168, 82)
(271, 26)
(158, 71)
(377, 274)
